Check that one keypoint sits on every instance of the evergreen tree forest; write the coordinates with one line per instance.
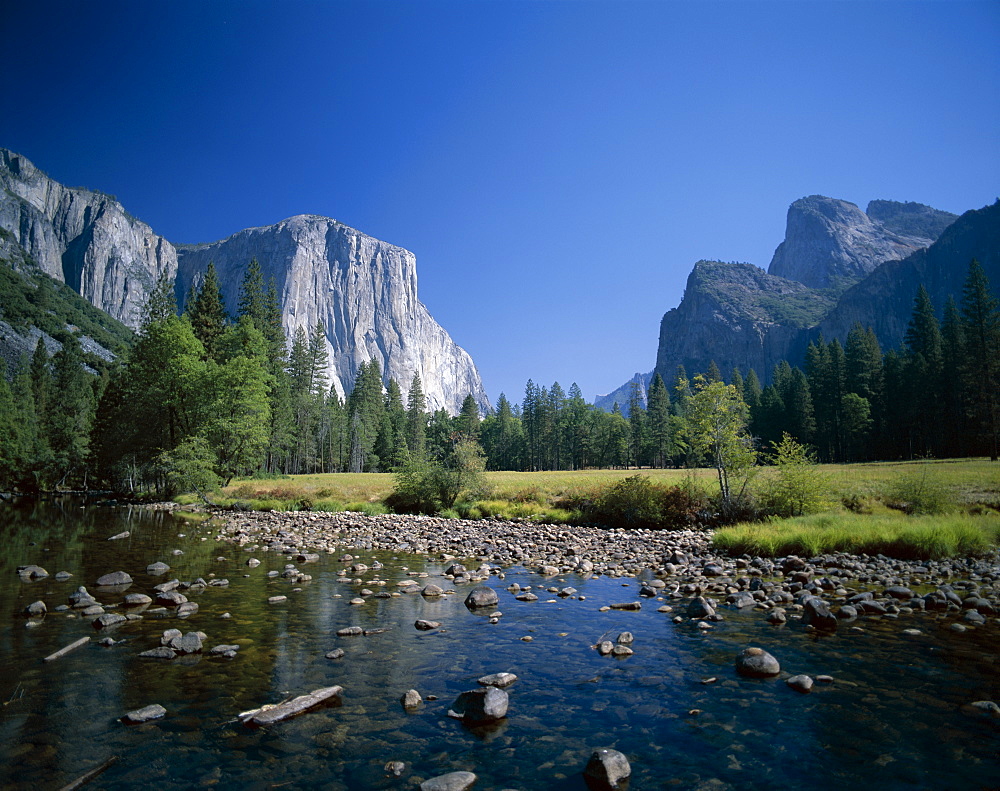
(202, 397)
(936, 396)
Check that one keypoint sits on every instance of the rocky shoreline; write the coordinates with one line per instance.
(822, 590)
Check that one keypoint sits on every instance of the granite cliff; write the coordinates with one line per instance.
(83, 238)
(836, 265)
(831, 243)
(362, 290)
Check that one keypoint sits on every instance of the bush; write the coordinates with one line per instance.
(244, 491)
(428, 487)
(637, 502)
(916, 494)
(798, 488)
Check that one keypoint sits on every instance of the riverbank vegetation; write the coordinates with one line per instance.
(226, 411)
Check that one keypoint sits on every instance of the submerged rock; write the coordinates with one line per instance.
(480, 705)
(453, 781)
(817, 614)
(497, 680)
(283, 711)
(115, 578)
(35, 609)
(756, 663)
(152, 712)
(607, 769)
(482, 597)
(801, 683)
(411, 699)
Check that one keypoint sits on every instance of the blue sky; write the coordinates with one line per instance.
(557, 167)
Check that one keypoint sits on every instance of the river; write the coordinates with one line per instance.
(895, 716)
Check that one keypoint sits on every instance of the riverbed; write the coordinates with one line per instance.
(895, 713)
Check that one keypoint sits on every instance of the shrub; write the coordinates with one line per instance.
(244, 490)
(639, 503)
(916, 494)
(424, 486)
(798, 488)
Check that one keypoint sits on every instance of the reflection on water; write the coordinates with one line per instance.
(892, 719)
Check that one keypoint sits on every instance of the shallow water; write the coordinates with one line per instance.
(892, 719)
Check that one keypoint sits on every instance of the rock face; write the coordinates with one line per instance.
(884, 299)
(836, 266)
(82, 238)
(737, 315)
(362, 290)
(829, 242)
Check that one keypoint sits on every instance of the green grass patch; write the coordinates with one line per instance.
(905, 537)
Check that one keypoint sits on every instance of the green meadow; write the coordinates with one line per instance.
(916, 509)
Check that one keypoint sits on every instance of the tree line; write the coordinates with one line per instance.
(938, 395)
(211, 397)
(203, 398)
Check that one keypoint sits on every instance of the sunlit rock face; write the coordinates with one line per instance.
(832, 243)
(362, 290)
(83, 238)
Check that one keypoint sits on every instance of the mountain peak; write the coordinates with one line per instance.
(831, 243)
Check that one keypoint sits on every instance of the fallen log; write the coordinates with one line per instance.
(83, 779)
(283, 711)
(65, 650)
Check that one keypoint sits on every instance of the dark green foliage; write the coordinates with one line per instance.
(637, 502)
(416, 419)
(30, 298)
(207, 314)
(430, 486)
(981, 361)
(467, 421)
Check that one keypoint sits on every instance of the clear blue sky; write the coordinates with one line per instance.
(557, 167)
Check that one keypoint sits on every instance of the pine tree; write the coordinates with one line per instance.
(70, 414)
(416, 419)
(952, 410)
(923, 374)
(530, 420)
(981, 333)
(575, 425)
(637, 440)
(207, 314)
(556, 440)
(253, 300)
(658, 418)
(467, 420)
(365, 407)
(162, 302)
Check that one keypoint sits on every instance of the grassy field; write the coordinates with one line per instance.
(965, 481)
(920, 509)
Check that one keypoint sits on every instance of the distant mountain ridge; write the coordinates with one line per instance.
(870, 264)
(363, 291)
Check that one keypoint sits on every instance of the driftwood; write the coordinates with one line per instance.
(67, 649)
(83, 779)
(268, 715)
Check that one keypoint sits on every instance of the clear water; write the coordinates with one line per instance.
(892, 719)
